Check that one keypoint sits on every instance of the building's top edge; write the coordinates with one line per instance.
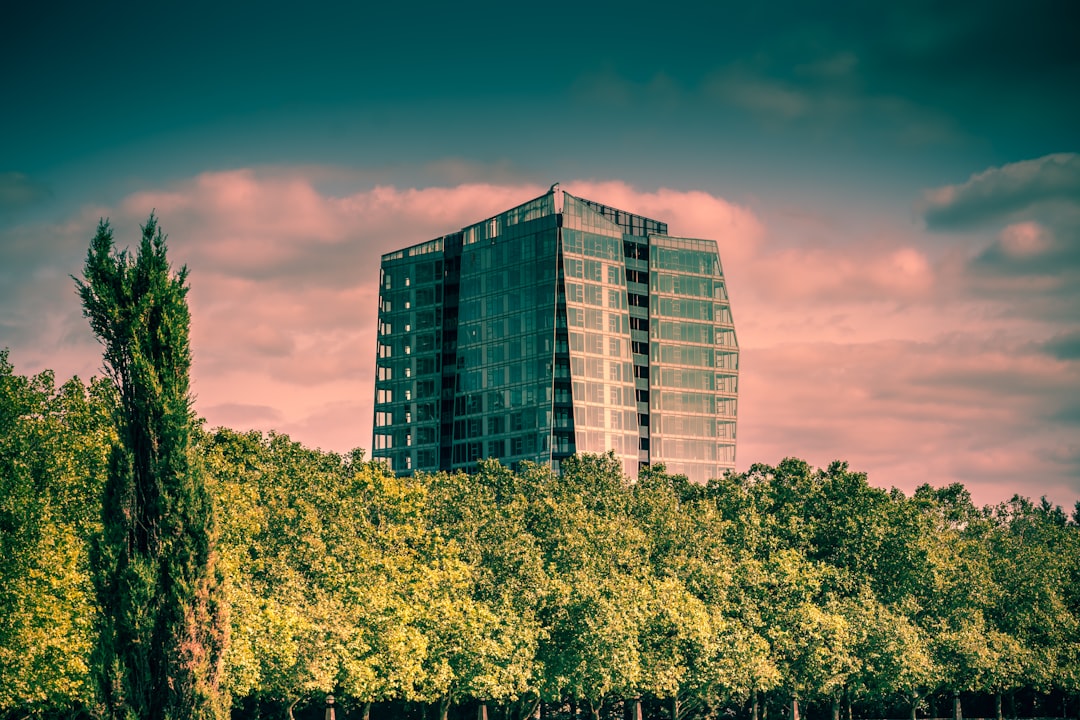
(552, 191)
(428, 246)
(556, 191)
(550, 203)
(546, 205)
(614, 210)
(679, 238)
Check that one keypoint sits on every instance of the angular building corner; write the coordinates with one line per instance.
(559, 326)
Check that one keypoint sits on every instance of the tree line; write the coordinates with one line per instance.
(779, 587)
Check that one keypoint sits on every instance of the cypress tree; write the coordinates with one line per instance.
(162, 622)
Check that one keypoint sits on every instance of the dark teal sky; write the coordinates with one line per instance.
(740, 98)
(894, 188)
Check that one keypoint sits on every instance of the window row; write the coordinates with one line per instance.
(692, 426)
(506, 327)
(683, 308)
(597, 344)
(527, 444)
(604, 393)
(407, 345)
(603, 418)
(406, 414)
(522, 301)
(407, 437)
(701, 262)
(697, 403)
(530, 418)
(403, 391)
(421, 320)
(489, 402)
(514, 349)
(476, 259)
(400, 301)
(582, 368)
(666, 449)
(593, 270)
(407, 368)
(590, 294)
(611, 321)
(407, 274)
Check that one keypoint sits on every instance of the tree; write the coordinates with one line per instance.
(162, 625)
(273, 496)
(53, 444)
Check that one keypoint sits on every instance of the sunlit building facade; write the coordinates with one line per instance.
(557, 327)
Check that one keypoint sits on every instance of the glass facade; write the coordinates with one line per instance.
(559, 326)
(693, 359)
(503, 393)
(594, 357)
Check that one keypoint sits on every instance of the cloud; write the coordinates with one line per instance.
(18, 190)
(987, 412)
(761, 95)
(849, 329)
(999, 193)
(241, 415)
(1030, 248)
(1022, 224)
(818, 275)
(1064, 346)
(692, 214)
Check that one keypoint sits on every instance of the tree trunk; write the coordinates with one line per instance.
(634, 705)
(835, 708)
(914, 703)
(481, 711)
(997, 705)
(674, 707)
(754, 700)
(365, 710)
(444, 707)
(958, 713)
(795, 707)
(594, 708)
(291, 706)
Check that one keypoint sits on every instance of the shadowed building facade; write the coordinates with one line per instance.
(559, 326)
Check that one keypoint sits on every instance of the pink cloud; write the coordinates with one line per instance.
(695, 214)
(861, 341)
(958, 409)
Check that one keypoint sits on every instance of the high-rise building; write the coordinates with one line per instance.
(559, 326)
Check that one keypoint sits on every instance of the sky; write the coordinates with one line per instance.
(894, 189)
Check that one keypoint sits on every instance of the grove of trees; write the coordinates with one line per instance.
(782, 590)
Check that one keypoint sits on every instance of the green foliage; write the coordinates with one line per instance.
(162, 624)
(512, 587)
(53, 446)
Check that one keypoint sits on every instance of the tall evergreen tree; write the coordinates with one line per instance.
(162, 622)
